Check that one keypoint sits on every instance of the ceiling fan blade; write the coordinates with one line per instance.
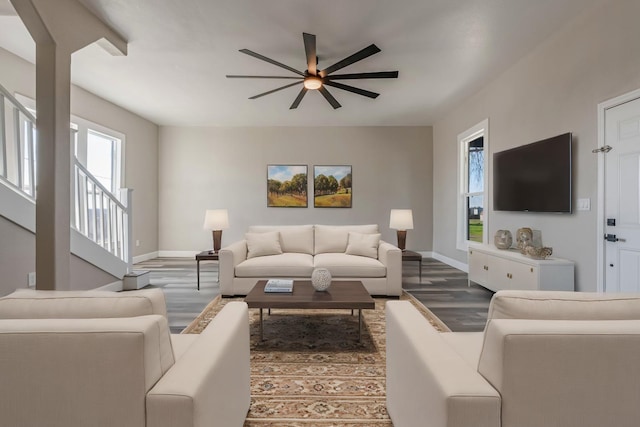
(270, 61)
(310, 51)
(376, 75)
(275, 90)
(334, 103)
(235, 76)
(358, 56)
(301, 95)
(352, 89)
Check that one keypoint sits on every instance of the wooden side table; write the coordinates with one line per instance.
(413, 256)
(206, 256)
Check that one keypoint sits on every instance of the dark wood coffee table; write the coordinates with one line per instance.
(350, 295)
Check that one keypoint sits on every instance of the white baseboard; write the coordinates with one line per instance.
(178, 254)
(145, 257)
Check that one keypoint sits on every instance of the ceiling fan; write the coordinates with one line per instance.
(314, 79)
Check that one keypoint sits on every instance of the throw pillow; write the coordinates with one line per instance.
(262, 244)
(363, 244)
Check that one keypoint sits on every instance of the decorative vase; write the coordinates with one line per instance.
(503, 239)
(524, 237)
(537, 253)
(321, 279)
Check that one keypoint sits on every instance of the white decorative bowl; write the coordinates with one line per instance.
(321, 279)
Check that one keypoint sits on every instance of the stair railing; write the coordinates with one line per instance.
(99, 215)
(95, 212)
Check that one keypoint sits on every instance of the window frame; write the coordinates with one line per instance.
(83, 127)
(479, 130)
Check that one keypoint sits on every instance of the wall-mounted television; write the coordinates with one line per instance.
(535, 177)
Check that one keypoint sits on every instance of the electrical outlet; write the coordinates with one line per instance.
(31, 279)
(137, 243)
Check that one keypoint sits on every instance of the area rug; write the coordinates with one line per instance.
(311, 370)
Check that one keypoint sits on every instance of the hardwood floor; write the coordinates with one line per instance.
(443, 289)
(177, 278)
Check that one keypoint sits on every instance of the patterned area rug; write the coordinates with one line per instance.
(311, 370)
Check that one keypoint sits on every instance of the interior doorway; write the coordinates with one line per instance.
(619, 217)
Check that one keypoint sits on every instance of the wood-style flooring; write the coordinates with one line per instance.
(443, 289)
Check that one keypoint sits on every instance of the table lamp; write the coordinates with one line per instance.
(216, 220)
(401, 220)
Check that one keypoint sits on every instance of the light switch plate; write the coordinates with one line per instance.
(584, 204)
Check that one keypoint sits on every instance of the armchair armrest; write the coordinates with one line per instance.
(428, 380)
(229, 257)
(209, 385)
(391, 257)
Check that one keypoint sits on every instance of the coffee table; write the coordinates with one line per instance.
(350, 295)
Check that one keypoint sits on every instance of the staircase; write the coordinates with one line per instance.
(100, 221)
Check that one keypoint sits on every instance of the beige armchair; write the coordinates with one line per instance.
(552, 359)
(75, 359)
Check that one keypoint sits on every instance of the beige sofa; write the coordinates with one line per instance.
(77, 359)
(349, 252)
(552, 359)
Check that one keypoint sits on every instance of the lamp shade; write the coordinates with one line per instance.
(401, 219)
(216, 219)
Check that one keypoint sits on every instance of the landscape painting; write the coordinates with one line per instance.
(332, 186)
(287, 186)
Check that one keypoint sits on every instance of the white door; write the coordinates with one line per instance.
(622, 198)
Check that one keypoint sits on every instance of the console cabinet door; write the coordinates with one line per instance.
(478, 267)
(512, 275)
(520, 276)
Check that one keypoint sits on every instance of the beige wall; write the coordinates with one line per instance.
(554, 89)
(206, 168)
(17, 260)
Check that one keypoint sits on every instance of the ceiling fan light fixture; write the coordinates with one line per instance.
(312, 82)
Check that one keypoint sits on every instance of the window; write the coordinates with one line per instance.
(102, 152)
(472, 197)
(97, 148)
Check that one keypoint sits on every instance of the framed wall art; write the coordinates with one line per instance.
(332, 186)
(287, 186)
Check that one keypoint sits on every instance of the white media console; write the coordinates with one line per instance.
(498, 269)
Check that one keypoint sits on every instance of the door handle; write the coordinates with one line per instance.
(613, 238)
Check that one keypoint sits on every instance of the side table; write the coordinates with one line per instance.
(413, 256)
(206, 256)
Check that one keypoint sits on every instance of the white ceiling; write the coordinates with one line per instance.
(180, 52)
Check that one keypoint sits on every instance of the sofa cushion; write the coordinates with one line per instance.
(363, 244)
(283, 265)
(344, 265)
(558, 305)
(293, 238)
(334, 238)
(32, 304)
(262, 244)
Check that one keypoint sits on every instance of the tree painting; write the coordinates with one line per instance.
(287, 186)
(332, 186)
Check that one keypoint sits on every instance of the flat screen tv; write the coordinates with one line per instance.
(534, 177)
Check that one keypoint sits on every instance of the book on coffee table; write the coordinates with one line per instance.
(279, 285)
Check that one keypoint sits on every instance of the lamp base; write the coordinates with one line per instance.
(217, 240)
(402, 239)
